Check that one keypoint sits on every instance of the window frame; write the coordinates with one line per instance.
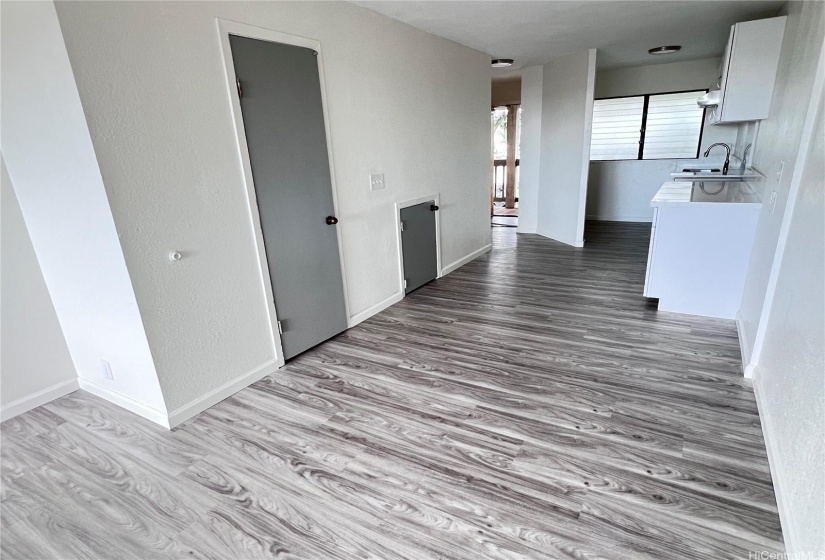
(646, 102)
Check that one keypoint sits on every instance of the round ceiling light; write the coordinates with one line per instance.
(502, 62)
(665, 50)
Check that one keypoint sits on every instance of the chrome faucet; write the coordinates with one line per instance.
(727, 155)
(745, 157)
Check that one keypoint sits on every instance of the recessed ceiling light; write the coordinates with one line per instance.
(665, 50)
(502, 62)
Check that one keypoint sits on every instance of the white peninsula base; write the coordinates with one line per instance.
(700, 245)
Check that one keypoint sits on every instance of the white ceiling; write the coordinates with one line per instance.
(534, 32)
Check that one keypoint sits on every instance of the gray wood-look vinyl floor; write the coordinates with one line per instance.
(532, 404)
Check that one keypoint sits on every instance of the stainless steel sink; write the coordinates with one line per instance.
(711, 175)
(709, 193)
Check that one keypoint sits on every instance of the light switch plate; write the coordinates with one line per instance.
(376, 181)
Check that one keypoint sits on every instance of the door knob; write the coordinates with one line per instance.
(433, 207)
(331, 220)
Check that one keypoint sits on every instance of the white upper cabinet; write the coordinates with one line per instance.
(749, 70)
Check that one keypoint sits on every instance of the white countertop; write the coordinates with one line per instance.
(705, 193)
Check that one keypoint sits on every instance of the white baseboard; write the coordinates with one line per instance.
(464, 260)
(785, 512)
(373, 309)
(620, 218)
(520, 229)
(748, 369)
(38, 398)
(151, 414)
(226, 390)
(571, 242)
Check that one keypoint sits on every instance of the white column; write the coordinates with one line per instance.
(530, 157)
(567, 117)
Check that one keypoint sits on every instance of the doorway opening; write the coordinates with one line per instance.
(506, 133)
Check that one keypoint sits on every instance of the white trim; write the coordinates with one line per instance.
(744, 346)
(224, 29)
(464, 260)
(782, 505)
(637, 219)
(567, 241)
(213, 397)
(400, 248)
(151, 414)
(799, 167)
(374, 309)
(38, 398)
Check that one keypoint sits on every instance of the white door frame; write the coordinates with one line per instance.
(226, 28)
(406, 204)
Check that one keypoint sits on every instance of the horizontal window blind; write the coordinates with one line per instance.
(617, 125)
(674, 124)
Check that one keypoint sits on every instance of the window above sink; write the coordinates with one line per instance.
(647, 127)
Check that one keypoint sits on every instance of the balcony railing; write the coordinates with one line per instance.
(500, 179)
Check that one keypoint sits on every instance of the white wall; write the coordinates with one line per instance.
(401, 102)
(658, 78)
(778, 141)
(782, 317)
(566, 119)
(35, 365)
(51, 162)
(622, 190)
(790, 377)
(532, 80)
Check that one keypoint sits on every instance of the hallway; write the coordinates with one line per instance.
(532, 404)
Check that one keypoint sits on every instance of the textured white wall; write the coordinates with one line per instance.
(51, 162)
(790, 376)
(658, 78)
(566, 120)
(622, 190)
(532, 79)
(778, 141)
(401, 102)
(34, 355)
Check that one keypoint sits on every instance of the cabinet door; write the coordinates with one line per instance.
(752, 60)
(723, 84)
(418, 245)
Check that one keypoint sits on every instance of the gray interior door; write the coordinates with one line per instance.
(280, 92)
(418, 244)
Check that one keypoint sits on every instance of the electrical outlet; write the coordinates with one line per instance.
(376, 181)
(780, 169)
(772, 202)
(107, 370)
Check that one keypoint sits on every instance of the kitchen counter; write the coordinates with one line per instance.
(673, 192)
(700, 245)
